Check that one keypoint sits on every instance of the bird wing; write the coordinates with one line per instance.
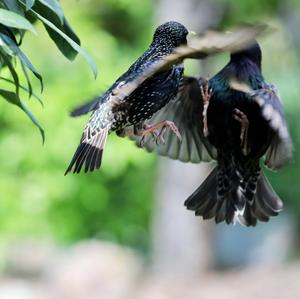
(209, 43)
(91, 105)
(186, 112)
(280, 150)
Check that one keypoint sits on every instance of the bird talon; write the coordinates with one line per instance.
(206, 94)
(242, 118)
(158, 138)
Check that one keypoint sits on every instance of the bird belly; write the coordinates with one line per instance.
(225, 131)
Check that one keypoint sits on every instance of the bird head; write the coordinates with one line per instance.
(252, 52)
(172, 34)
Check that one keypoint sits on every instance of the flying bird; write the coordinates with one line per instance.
(236, 118)
(148, 85)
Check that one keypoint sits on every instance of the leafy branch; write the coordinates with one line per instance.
(16, 18)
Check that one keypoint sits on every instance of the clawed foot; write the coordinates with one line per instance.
(206, 94)
(148, 130)
(241, 117)
(158, 137)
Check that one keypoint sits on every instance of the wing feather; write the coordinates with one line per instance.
(268, 99)
(186, 112)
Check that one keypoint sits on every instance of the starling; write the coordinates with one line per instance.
(114, 114)
(148, 85)
(236, 118)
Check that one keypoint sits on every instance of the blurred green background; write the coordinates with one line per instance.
(116, 202)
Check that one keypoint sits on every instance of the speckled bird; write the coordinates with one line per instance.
(236, 118)
(149, 84)
(114, 114)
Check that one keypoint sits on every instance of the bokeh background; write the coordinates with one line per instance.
(123, 232)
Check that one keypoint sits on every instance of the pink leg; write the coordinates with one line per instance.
(206, 94)
(159, 137)
(243, 120)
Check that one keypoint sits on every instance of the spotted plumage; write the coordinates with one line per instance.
(149, 84)
(245, 122)
(114, 113)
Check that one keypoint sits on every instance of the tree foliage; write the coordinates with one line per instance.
(16, 19)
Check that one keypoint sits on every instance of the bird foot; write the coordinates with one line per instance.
(206, 94)
(242, 118)
(158, 137)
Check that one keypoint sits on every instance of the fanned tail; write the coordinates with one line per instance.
(266, 203)
(224, 199)
(89, 152)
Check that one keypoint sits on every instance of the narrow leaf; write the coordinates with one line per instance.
(73, 44)
(21, 56)
(12, 70)
(66, 49)
(27, 79)
(34, 120)
(55, 7)
(25, 89)
(12, 19)
(14, 6)
(13, 98)
(29, 4)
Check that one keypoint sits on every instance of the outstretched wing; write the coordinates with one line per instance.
(280, 150)
(268, 99)
(85, 108)
(209, 43)
(186, 112)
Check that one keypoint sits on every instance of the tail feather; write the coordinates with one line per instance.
(271, 199)
(204, 193)
(89, 153)
(248, 218)
(234, 205)
(221, 212)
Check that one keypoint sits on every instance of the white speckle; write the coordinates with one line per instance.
(276, 120)
(268, 111)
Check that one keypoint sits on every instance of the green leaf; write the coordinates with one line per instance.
(14, 74)
(73, 44)
(55, 7)
(13, 98)
(12, 19)
(5, 48)
(61, 24)
(29, 4)
(64, 46)
(27, 79)
(16, 50)
(14, 6)
(25, 89)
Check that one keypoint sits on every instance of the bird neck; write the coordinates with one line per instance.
(254, 61)
(162, 48)
(244, 71)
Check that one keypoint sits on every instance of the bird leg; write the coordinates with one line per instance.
(206, 94)
(243, 120)
(159, 137)
(147, 129)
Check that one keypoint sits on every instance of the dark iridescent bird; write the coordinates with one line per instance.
(114, 114)
(149, 84)
(235, 118)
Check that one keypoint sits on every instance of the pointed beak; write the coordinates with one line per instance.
(192, 33)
